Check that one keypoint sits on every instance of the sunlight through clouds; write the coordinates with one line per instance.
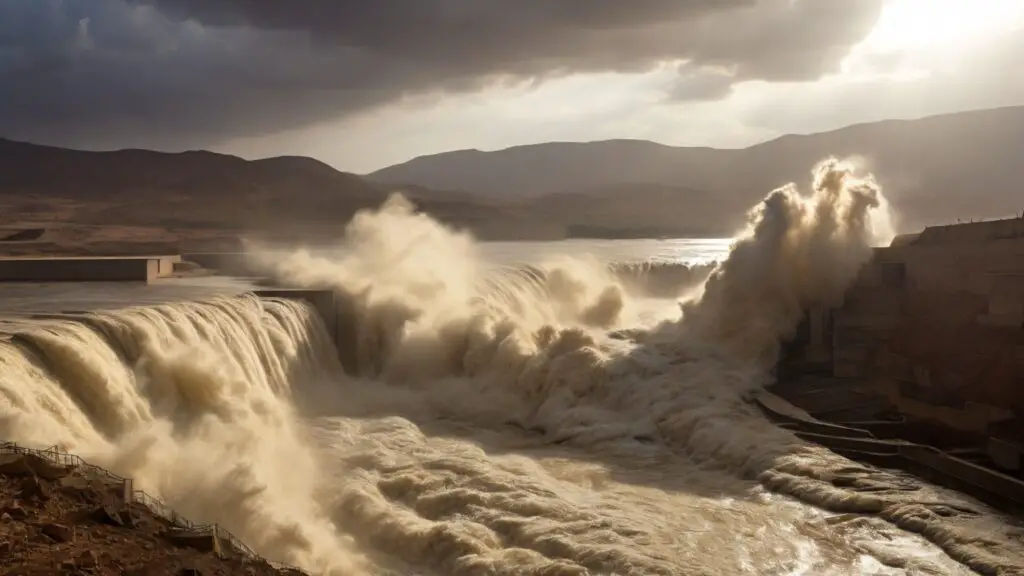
(916, 39)
(941, 24)
(909, 58)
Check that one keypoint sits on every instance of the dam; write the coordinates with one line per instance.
(927, 345)
(350, 435)
(87, 268)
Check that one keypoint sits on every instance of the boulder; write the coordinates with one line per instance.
(34, 488)
(15, 512)
(59, 532)
(87, 559)
(107, 515)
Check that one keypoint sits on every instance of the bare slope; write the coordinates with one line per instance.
(75, 197)
(935, 169)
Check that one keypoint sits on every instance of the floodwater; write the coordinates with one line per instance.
(557, 409)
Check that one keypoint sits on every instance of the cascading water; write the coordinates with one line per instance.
(568, 418)
(192, 400)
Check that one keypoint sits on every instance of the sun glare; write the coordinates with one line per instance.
(925, 25)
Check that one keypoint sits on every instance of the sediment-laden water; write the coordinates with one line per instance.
(562, 418)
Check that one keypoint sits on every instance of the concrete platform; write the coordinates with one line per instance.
(87, 268)
(229, 263)
(928, 462)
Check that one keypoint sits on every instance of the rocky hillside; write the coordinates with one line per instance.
(68, 520)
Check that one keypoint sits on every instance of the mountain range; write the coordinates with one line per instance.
(934, 170)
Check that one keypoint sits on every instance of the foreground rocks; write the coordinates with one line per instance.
(55, 521)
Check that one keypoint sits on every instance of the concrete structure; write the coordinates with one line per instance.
(336, 318)
(934, 327)
(87, 269)
(165, 264)
(858, 442)
(228, 263)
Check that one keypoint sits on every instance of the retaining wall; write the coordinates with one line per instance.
(336, 315)
(111, 269)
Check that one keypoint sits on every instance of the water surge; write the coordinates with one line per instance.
(559, 418)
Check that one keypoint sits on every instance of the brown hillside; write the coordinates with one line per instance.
(59, 200)
(58, 519)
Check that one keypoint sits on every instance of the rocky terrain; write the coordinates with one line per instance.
(69, 520)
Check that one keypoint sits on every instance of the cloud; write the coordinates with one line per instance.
(177, 73)
(973, 76)
(707, 83)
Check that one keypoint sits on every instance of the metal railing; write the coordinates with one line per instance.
(60, 457)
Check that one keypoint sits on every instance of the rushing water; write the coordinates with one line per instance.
(535, 409)
(53, 297)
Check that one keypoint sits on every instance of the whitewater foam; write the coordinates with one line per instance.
(565, 418)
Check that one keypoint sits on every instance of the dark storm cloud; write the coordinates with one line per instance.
(167, 72)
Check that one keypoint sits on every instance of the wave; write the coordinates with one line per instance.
(562, 418)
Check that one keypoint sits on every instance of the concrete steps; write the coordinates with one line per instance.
(959, 471)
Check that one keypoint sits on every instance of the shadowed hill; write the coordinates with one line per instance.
(128, 175)
(289, 197)
(142, 187)
(539, 169)
(639, 210)
(935, 169)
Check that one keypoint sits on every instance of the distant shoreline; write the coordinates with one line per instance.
(584, 232)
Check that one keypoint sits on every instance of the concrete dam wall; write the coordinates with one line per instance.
(87, 269)
(930, 340)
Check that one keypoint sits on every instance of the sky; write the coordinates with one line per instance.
(363, 84)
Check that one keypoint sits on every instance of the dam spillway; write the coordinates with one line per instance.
(498, 424)
(855, 439)
(200, 367)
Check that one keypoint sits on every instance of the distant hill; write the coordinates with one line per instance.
(159, 197)
(935, 169)
(186, 189)
(638, 211)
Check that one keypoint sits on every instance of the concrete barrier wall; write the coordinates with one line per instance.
(338, 317)
(79, 269)
(230, 263)
(323, 302)
(166, 264)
